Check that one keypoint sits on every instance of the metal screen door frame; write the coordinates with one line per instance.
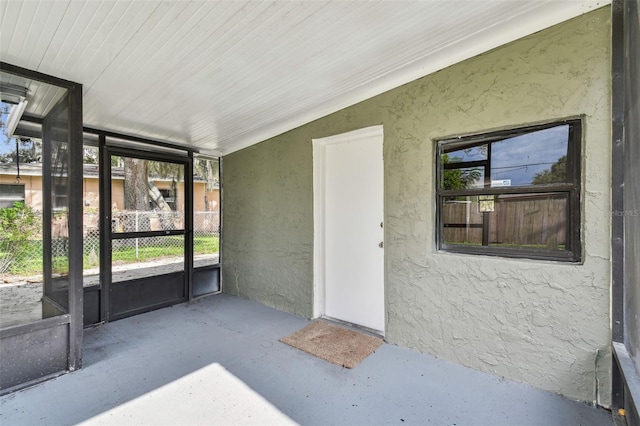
(127, 298)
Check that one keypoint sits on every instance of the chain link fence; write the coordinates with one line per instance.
(27, 259)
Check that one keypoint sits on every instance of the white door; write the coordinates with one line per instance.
(348, 186)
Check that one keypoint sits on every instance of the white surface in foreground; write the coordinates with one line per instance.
(213, 387)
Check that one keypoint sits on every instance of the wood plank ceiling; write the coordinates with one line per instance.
(222, 75)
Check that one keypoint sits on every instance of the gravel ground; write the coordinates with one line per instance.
(20, 296)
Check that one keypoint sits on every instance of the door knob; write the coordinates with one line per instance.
(381, 245)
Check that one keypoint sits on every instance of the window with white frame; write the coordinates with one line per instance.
(513, 193)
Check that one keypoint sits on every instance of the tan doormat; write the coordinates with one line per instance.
(332, 343)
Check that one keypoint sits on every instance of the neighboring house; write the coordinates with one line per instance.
(29, 188)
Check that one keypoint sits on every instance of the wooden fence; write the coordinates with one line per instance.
(522, 220)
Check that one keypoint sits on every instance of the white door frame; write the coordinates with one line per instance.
(319, 147)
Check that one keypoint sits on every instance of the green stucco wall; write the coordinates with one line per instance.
(544, 323)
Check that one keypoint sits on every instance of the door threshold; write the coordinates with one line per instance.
(353, 326)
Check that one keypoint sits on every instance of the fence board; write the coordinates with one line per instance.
(516, 220)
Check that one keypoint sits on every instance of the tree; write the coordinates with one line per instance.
(90, 155)
(139, 174)
(164, 170)
(157, 198)
(28, 151)
(139, 189)
(136, 186)
(209, 170)
(458, 178)
(557, 173)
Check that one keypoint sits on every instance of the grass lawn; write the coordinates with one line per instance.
(30, 263)
(173, 247)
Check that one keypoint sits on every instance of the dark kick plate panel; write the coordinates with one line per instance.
(206, 280)
(91, 303)
(134, 297)
(33, 354)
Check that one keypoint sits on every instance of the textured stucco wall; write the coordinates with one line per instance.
(543, 323)
(267, 248)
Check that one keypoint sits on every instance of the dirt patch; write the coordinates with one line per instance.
(20, 296)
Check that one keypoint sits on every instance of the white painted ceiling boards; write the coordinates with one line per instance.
(222, 75)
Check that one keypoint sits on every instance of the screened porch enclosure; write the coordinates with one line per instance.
(50, 342)
(510, 256)
(97, 226)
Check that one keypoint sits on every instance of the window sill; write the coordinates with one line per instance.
(514, 254)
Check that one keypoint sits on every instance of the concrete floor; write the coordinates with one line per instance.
(219, 361)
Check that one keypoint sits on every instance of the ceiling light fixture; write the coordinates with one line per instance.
(14, 117)
(12, 94)
(16, 96)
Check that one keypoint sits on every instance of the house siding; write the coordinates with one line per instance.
(32, 189)
(91, 193)
(539, 322)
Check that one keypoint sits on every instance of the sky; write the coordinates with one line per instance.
(4, 146)
(520, 158)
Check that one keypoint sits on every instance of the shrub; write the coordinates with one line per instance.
(18, 225)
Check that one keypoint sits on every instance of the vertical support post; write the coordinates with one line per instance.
(188, 225)
(47, 205)
(137, 222)
(617, 192)
(105, 227)
(486, 218)
(486, 222)
(76, 289)
(467, 221)
(220, 220)
(617, 171)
